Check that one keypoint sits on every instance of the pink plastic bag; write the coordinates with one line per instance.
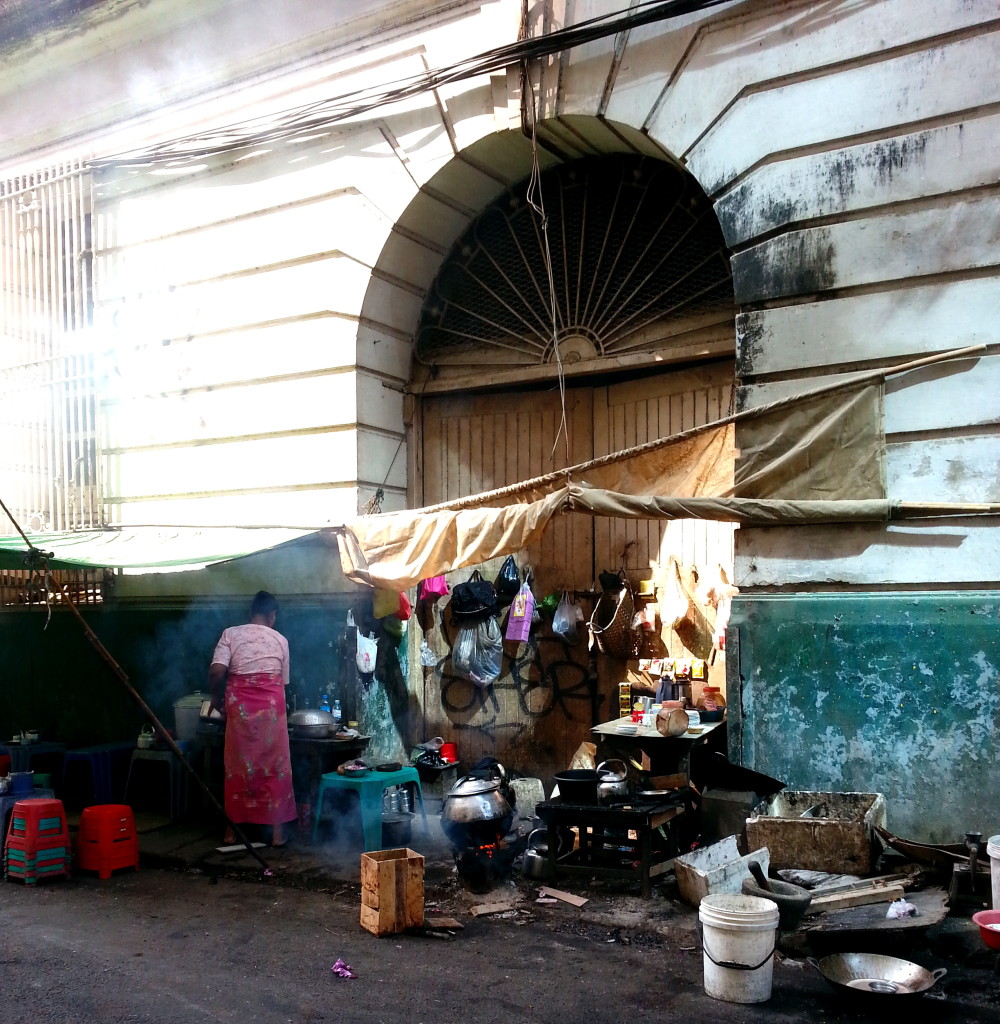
(521, 610)
(436, 586)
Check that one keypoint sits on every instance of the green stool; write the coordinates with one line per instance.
(370, 789)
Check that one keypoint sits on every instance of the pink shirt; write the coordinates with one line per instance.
(252, 648)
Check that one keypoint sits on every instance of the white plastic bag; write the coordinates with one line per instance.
(367, 650)
(564, 623)
(478, 652)
(427, 657)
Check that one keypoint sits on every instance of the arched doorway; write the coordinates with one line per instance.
(540, 347)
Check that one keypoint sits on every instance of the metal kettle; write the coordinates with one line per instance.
(612, 784)
(535, 859)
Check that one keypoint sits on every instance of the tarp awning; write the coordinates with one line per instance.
(147, 547)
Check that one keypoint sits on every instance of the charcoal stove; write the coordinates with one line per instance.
(476, 816)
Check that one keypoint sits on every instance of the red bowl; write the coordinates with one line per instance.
(990, 936)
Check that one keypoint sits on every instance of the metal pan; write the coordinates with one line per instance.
(864, 974)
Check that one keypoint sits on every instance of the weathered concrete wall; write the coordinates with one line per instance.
(894, 693)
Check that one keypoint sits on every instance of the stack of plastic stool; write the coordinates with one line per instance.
(107, 840)
(37, 841)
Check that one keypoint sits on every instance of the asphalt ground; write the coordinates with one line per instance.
(207, 938)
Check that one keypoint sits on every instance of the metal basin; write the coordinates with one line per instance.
(875, 975)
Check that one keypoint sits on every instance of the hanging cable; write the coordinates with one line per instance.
(538, 205)
(312, 118)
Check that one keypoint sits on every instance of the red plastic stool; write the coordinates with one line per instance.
(107, 840)
(38, 821)
(37, 841)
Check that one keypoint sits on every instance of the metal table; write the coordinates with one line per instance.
(604, 846)
(311, 758)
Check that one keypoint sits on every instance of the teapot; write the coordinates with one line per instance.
(146, 738)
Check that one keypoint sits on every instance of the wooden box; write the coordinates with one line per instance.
(392, 891)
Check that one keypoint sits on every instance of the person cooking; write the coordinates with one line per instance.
(247, 678)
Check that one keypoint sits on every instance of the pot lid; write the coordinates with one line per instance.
(470, 786)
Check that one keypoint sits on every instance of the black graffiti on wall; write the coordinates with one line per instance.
(543, 677)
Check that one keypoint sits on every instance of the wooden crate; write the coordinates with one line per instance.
(392, 891)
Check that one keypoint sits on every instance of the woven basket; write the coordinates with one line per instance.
(611, 625)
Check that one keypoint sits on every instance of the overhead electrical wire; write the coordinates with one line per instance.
(322, 114)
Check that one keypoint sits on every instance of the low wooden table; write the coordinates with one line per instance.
(597, 854)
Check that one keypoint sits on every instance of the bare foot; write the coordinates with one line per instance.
(278, 836)
(229, 838)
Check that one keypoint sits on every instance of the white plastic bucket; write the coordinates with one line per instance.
(738, 936)
(993, 849)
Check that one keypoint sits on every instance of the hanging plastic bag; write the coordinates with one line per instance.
(478, 652)
(435, 586)
(385, 602)
(566, 619)
(367, 651)
(522, 612)
(508, 581)
(427, 657)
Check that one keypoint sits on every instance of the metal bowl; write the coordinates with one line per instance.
(311, 723)
(874, 974)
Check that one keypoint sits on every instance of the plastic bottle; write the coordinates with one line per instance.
(337, 713)
(324, 703)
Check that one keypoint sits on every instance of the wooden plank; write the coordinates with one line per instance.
(935, 161)
(915, 86)
(485, 909)
(857, 898)
(912, 321)
(952, 236)
(565, 897)
(720, 63)
(861, 883)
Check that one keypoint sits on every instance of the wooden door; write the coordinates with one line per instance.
(551, 693)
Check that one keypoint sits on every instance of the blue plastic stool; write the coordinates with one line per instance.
(177, 780)
(370, 789)
(101, 761)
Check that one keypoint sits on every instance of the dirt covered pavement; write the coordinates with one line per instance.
(188, 945)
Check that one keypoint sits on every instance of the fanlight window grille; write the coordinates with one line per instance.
(635, 248)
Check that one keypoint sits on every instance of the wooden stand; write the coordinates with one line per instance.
(392, 891)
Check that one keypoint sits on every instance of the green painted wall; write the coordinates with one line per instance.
(897, 693)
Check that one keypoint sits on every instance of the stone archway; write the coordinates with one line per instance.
(629, 225)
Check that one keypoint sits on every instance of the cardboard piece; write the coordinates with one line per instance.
(566, 897)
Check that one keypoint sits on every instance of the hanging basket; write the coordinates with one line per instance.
(611, 625)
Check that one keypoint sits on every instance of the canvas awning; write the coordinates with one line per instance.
(827, 445)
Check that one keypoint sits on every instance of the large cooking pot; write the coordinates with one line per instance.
(312, 724)
(871, 974)
(476, 812)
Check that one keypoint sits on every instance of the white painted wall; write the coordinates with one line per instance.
(850, 149)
